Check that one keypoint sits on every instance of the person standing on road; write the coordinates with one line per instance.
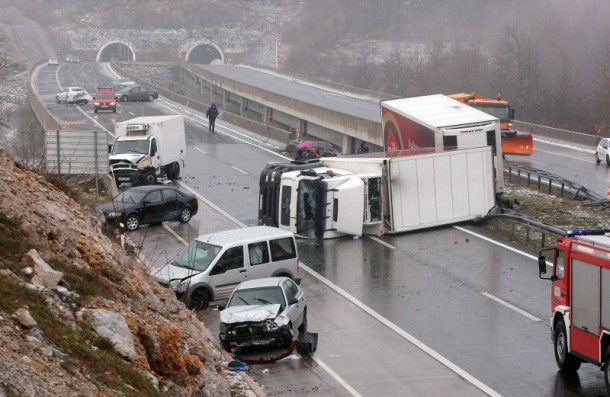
(211, 115)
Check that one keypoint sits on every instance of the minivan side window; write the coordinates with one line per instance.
(233, 258)
(259, 253)
(282, 249)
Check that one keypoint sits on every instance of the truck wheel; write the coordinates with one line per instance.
(173, 171)
(132, 222)
(150, 98)
(200, 300)
(565, 361)
(150, 178)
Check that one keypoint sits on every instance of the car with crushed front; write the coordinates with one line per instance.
(136, 93)
(263, 313)
(76, 95)
(53, 61)
(151, 204)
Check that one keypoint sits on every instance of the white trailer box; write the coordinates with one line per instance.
(422, 188)
(148, 147)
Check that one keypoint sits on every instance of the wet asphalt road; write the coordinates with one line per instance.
(383, 307)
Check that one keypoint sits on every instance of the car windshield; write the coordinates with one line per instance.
(130, 196)
(258, 296)
(105, 96)
(122, 147)
(197, 256)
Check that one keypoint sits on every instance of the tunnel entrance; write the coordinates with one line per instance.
(205, 53)
(117, 50)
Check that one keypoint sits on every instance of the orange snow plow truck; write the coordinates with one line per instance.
(513, 142)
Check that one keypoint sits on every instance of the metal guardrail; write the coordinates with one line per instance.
(553, 184)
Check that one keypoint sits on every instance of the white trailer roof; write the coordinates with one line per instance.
(150, 119)
(437, 111)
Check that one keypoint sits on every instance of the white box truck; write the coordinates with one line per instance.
(440, 121)
(378, 193)
(148, 148)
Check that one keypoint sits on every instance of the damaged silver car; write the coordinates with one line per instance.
(266, 312)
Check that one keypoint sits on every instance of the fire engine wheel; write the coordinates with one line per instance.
(200, 299)
(565, 361)
(132, 222)
(607, 370)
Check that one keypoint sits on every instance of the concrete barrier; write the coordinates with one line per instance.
(43, 115)
(556, 133)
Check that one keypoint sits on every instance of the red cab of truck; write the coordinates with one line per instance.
(104, 100)
(580, 299)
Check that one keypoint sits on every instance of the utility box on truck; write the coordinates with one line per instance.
(147, 148)
(440, 121)
(580, 299)
(379, 193)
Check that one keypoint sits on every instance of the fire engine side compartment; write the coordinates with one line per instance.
(590, 297)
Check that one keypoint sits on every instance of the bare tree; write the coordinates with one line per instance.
(517, 72)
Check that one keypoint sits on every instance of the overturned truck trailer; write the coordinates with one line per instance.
(378, 193)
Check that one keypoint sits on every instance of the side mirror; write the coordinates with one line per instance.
(145, 202)
(297, 281)
(220, 308)
(542, 269)
(292, 301)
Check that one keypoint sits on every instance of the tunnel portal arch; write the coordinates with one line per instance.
(205, 53)
(116, 49)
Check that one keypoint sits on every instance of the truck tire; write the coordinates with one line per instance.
(200, 300)
(173, 171)
(150, 178)
(565, 361)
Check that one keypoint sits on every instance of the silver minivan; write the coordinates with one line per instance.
(212, 265)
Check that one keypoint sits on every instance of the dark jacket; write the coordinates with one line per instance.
(212, 112)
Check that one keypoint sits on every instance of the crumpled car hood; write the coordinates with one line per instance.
(171, 272)
(257, 313)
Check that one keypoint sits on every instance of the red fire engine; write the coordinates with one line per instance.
(580, 299)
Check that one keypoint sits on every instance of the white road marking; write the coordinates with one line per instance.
(239, 170)
(410, 338)
(215, 207)
(511, 307)
(201, 150)
(336, 376)
(381, 242)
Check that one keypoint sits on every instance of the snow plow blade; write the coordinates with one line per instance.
(518, 143)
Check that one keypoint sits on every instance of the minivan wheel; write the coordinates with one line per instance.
(200, 300)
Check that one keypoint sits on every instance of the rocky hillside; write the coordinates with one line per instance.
(79, 316)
